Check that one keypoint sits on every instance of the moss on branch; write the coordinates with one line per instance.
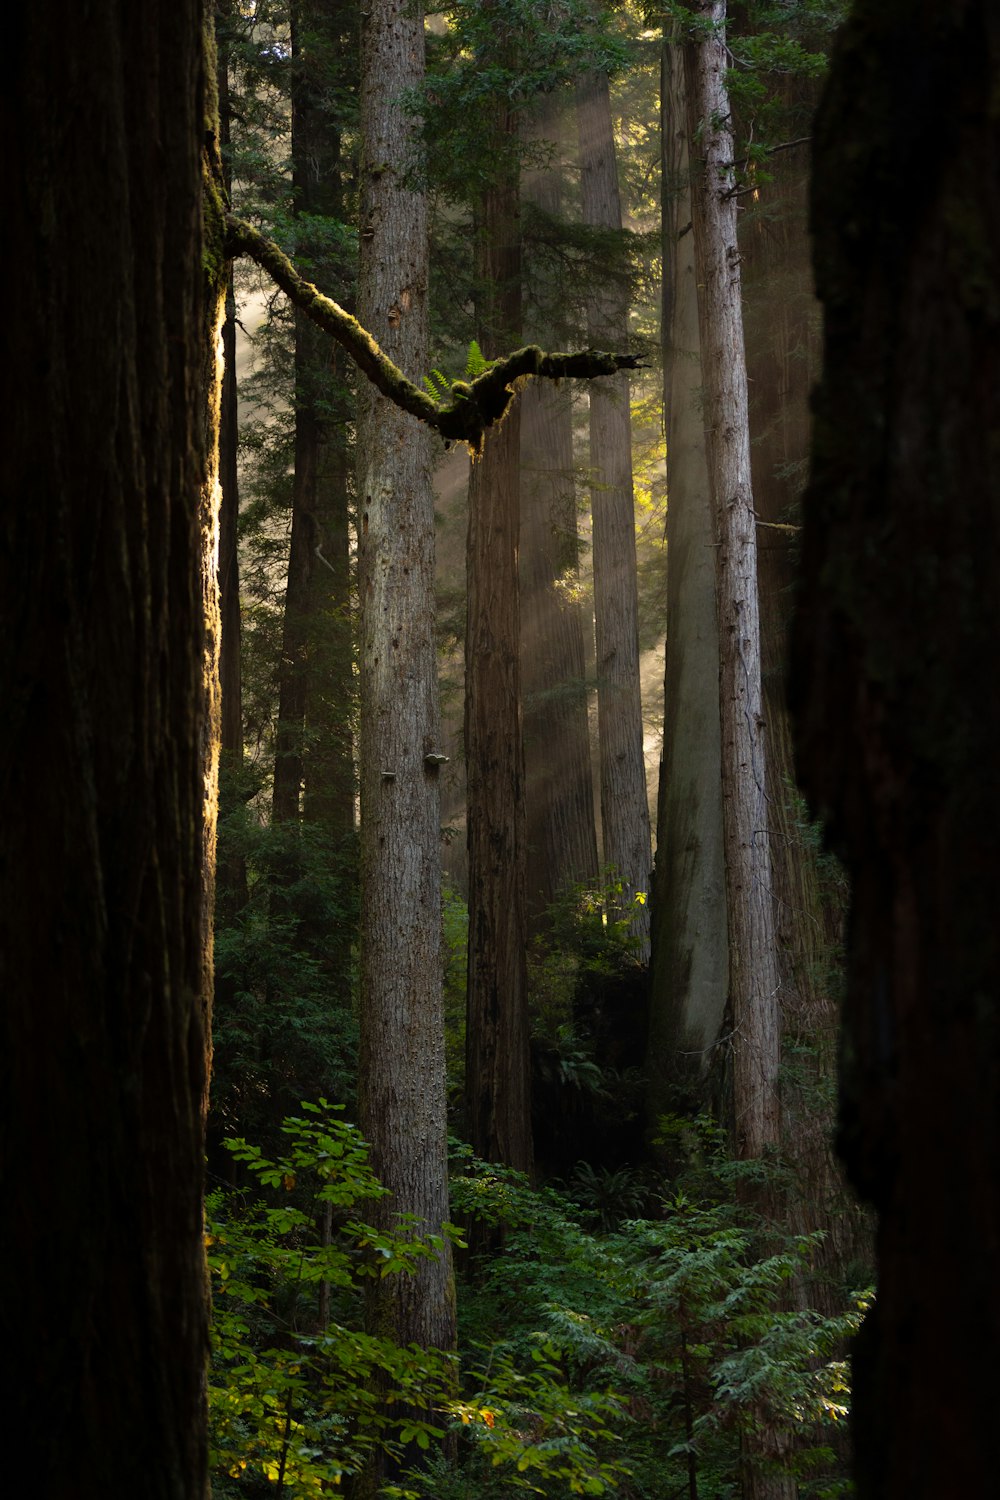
(475, 405)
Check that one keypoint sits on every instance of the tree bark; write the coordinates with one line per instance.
(897, 724)
(109, 680)
(753, 969)
(561, 839)
(625, 826)
(313, 768)
(497, 1074)
(402, 1070)
(753, 976)
(690, 960)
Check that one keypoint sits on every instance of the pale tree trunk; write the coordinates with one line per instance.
(559, 787)
(753, 971)
(690, 963)
(402, 1071)
(108, 668)
(898, 714)
(624, 802)
(497, 1058)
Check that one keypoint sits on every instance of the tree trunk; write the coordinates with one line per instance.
(753, 970)
(624, 802)
(402, 1075)
(561, 839)
(753, 976)
(497, 1072)
(897, 724)
(109, 681)
(690, 964)
(559, 787)
(313, 750)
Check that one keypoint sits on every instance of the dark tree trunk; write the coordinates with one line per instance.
(561, 838)
(313, 769)
(108, 672)
(497, 1061)
(898, 712)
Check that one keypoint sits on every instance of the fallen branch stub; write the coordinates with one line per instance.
(475, 405)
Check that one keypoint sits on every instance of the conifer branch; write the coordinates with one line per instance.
(475, 405)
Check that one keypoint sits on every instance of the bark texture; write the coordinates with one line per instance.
(559, 787)
(898, 712)
(108, 670)
(313, 768)
(624, 804)
(690, 965)
(402, 1075)
(753, 976)
(497, 1069)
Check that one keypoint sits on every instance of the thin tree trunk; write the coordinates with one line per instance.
(624, 802)
(497, 1059)
(690, 963)
(402, 1070)
(110, 690)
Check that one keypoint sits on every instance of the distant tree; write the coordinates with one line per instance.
(690, 958)
(898, 724)
(625, 831)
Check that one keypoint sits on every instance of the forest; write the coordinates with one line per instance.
(500, 553)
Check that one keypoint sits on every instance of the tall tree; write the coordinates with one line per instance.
(753, 975)
(690, 962)
(561, 841)
(497, 1073)
(313, 749)
(109, 679)
(402, 1077)
(898, 713)
(753, 970)
(625, 826)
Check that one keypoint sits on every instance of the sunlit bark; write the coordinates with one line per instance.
(690, 966)
(625, 826)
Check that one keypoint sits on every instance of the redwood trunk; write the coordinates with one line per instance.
(898, 710)
(109, 680)
(402, 1074)
(690, 964)
(753, 976)
(497, 1060)
(624, 802)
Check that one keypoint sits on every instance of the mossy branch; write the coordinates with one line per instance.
(475, 405)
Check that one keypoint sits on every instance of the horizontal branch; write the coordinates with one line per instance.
(475, 405)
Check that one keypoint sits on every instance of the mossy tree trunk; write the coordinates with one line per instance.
(109, 678)
(898, 716)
